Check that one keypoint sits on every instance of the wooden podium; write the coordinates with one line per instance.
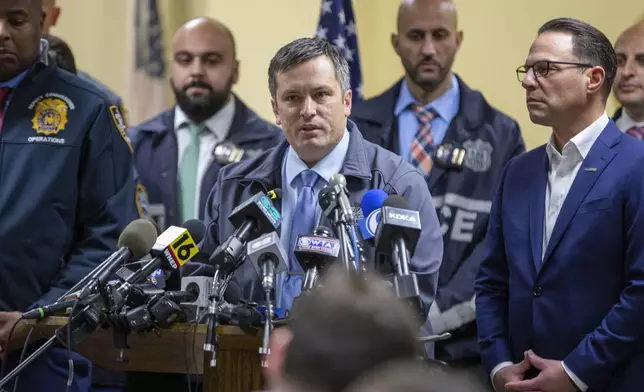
(171, 351)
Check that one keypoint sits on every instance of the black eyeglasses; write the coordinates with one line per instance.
(541, 68)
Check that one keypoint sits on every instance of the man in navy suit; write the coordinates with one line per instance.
(560, 290)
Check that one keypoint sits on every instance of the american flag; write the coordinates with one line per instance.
(337, 25)
(147, 82)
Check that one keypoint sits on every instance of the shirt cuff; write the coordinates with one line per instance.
(496, 370)
(576, 380)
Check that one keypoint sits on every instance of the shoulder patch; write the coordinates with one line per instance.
(142, 203)
(121, 125)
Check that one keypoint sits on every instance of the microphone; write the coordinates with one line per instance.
(135, 241)
(174, 247)
(267, 255)
(189, 295)
(334, 200)
(334, 204)
(338, 181)
(197, 230)
(252, 218)
(397, 237)
(314, 253)
(244, 316)
(47, 310)
(371, 203)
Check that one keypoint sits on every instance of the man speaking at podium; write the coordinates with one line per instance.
(311, 99)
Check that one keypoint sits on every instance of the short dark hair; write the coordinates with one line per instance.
(60, 53)
(347, 326)
(589, 45)
(302, 50)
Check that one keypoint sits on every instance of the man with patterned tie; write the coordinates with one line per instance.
(460, 142)
(629, 81)
(311, 98)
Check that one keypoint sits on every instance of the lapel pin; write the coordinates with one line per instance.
(590, 169)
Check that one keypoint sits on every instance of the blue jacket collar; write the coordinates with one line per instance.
(268, 172)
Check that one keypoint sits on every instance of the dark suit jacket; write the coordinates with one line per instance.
(585, 303)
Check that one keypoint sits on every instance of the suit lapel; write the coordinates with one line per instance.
(591, 169)
(537, 207)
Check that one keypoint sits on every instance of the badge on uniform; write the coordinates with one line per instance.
(50, 116)
(449, 156)
(478, 155)
(121, 125)
(227, 153)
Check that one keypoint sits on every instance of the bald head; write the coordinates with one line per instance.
(446, 8)
(427, 41)
(635, 32)
(629, 80)
(204, 67)
(205, 29)
(52, 11)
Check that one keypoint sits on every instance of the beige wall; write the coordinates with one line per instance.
(497, 36)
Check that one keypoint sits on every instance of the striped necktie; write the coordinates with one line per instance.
(188, 174)
(423, 144)
(4, 93)
(636, 132)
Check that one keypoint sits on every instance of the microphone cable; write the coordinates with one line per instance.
(70, 361)
(22, 355)
(6, 348)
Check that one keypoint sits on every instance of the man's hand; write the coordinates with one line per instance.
(7, 321)
(509, 374)
(552, 377)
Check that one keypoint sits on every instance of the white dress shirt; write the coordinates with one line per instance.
(562, 170)
(216, 130)
(625, 122)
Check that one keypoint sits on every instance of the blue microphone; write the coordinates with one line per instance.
(372, 201)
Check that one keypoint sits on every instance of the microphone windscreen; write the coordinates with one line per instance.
(196, 228)
(372, 200)
(139, 236)
(233, 293)
(337, 179)
(323, 231)
(396, 202)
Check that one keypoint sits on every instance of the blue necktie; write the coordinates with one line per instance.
(303, 222)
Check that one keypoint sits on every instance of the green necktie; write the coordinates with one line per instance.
(188, 175)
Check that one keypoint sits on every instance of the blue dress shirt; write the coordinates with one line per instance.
(292, 166)
(446, 107)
